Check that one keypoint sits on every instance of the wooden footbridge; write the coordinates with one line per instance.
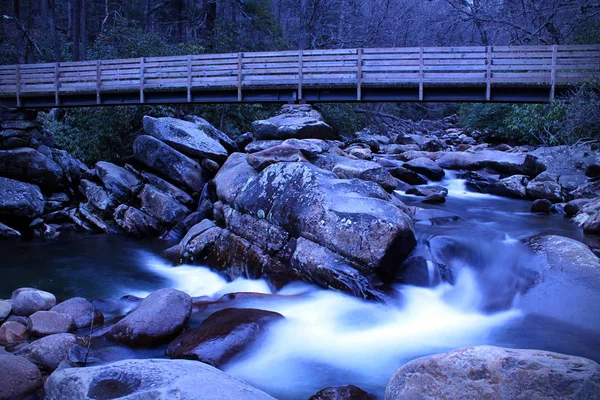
(492, 73)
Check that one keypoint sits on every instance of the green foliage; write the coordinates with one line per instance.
(234, 119)
(342, 117)
(484, 116)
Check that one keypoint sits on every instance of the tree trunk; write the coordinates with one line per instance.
(53, 32)
(83, 49)
(76, 18)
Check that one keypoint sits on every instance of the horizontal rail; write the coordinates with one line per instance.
(355, 69)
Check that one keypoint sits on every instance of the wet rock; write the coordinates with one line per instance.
(270, 238)
(153, 378)
(158, 318)
(434, 198)
(97, 197)
(281, 153)
(82, 311)
(234, 174)
(135, 222)
(161, 206)
(182, 227)
(428, 191)
(48, 352)
(261, 145)
(398, 171)
(27, 301)
(592, 224)
(434, 216)
(44, 323)
(5, 309)
(480, 181)
(12, 332)
(168, 189)
(366, 170)
(88, 213)
(398, 148)
(573, 206)
(188, 137)
(18, 199)
(244, 140)
(426, 167)
(222, 335)
(571, 182)
(493, 372)
(419, 271)
(73, 168)
(56, 202)
(501, 162)
(29, 165)
(348, 392)
(545, 186)
(567, 267)
(6, 232)
(541, 206)
(514, 186)
(19, 378)
(589, 190)
(227, 142)
(118, 181)
(169, 162)
(294, 123)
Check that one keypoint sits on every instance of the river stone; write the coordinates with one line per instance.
(169, 189)
(118, 181)
(97, 197)
(434, 198)
(232, 177)
(19, 199)
(347, 168)
(6, 232)
(487, 372)
(348, 392)
(281, 153)
(548, 190)
(426, 167)
(501, 162)
(82, 311)
(149, 379)
(5, 309)
(19, 378)
(135, 222)
(12, 332)
(73, 168)
(398, 171)
(44, 323)
(29, 165)
(260, 145)
(187, 137)
(542, 206)
(296, 124)
(428, 191)
(568, 266)
(27, 301)
(48, 352)
(168, 162)
(165, 209)
(513, 186)
(222, 335)
(157, 319)
(224, 139)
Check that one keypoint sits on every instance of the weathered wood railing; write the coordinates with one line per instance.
(426, 73)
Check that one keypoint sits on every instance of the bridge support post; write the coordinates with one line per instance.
(488, 76)
(359, 54)
(56, 84)
(98, 82)
(239, 76)
(300, 55)
(421, 73)
(142, 97)
(18, 85)
(189, 78)
(553, 72)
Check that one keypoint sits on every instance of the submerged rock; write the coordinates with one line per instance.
(348, 392)
(222, 335)
(484, 372)
(157, 319)
(151, 379)
(18, 377)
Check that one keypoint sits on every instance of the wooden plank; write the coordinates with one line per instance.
(142, 98)
(98, 81)
(553, 73)
(239, 76)
(18, 86)
(488, 74)
(359, 53)
(421, 73)
(56, 84)
(300, 55)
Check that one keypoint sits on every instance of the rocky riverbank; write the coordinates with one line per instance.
(292, 200)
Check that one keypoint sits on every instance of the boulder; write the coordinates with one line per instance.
(135, 222)
(398, 171)
(44, 323)
(348, 392)
(18, 199)
(118, 181)
(434, 198)
(426, 167)
(513, 186)
(168, 189)
(162, 207)
(567, 266)
(6, 232)
(221, 137)
(19, 378)
(149, 379)
(541, 206)
(486, 372)
(12, 332)
(260, 145)
(419, 271)
(222, 335)
(480, 181)
(27, 301)
(56, 202)
(232, 177)
(501, 162)
(281, 153)
(48, 352)
(295, 123)
(346, 168)
(549, 190)
(434, 216)
(573, 206)
(158, 318)
(5, 309)
(268, 237)
(98, 197)
(188, 137)
(428, 191)
(592, 224)
(29, 165)
(82, 311)
(169, 162)
(73, 168)
(182, 227)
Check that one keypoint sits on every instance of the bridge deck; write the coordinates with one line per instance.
(493, 73)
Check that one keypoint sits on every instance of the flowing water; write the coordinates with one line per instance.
(329, 338)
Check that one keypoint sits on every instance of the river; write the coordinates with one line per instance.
(329, 338)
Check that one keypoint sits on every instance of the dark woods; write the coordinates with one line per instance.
(65, 30)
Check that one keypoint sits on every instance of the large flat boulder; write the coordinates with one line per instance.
(29, 165)
(169, 163)
(297, 123)
(499, 161)
(188, 137)
(19, 199)
(149, 379)
(487, 372)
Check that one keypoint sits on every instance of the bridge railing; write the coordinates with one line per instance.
(357, 68)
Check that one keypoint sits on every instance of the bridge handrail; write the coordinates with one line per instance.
(354, 68)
